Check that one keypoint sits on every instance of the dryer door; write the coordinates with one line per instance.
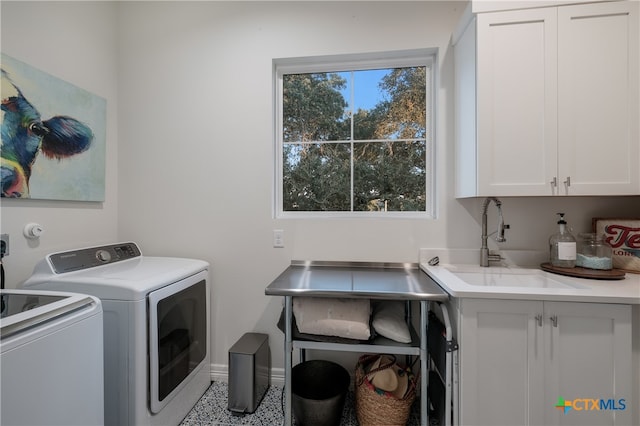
(177, 337)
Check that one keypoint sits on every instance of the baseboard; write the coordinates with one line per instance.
(220, 373)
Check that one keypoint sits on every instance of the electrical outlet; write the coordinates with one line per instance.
(4, 245)
(278, 238)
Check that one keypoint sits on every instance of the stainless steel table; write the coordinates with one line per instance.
(385, 281)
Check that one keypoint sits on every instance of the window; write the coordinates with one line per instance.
(354, 135)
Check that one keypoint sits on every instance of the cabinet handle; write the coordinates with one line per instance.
(554, 320)
(554, 182)
(568, 181)
(539, 320)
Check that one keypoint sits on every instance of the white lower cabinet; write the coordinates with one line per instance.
(520, 359)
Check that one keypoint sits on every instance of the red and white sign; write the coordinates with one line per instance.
(623, 235)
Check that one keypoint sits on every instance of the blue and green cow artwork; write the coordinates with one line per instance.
(52, 137)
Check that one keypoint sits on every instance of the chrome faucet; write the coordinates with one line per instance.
(485, 256)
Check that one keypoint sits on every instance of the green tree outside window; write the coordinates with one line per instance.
(339, 159)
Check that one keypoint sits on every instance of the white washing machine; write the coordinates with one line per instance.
(50, 359)
(156, 327)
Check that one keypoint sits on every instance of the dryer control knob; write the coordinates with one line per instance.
(103, 255)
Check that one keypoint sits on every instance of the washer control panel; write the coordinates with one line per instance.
(91, 257)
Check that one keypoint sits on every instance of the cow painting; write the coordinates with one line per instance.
(25, 134)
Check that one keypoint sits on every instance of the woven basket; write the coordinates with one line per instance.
(376, 407)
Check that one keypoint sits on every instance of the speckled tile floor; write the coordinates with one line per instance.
(212, 410)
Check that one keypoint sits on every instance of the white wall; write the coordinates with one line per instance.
(76, 42)
(196, 140)
(196, 147)
(194, 134)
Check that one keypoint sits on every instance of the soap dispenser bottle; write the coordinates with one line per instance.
(563, 246)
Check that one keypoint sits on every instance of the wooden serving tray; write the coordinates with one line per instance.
(579, 272)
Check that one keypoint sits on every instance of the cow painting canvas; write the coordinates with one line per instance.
(53, 137)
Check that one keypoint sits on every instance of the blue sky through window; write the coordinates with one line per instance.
(367, 92)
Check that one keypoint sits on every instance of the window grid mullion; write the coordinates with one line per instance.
(351, 138)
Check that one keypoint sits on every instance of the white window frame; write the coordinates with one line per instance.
(339, 63)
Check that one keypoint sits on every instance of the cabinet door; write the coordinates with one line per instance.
(501, 363)
(588, 352)
(517, 102)
(598, 96)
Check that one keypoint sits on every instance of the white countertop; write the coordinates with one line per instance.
(499, 280)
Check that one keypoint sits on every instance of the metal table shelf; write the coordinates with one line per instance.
(382, 281)
(379, 344)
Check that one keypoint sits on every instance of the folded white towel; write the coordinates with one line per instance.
(347, 318)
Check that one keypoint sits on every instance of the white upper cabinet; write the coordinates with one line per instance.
(517, 102)
(598, 98)
(547, 102)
